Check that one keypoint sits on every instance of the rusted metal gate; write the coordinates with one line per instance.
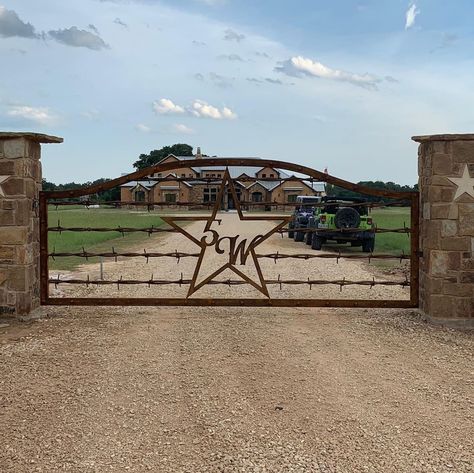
(240, 252)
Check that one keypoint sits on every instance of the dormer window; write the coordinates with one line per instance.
(264, 175)
(272, 175)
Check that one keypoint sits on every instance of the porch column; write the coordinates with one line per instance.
(20, 183)
(446, 181)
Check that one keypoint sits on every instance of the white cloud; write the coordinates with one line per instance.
(230, 57)
(11, 25)
(185, 130)
(164, 106)
(411, 15)
(142, 128)
(300, 66)
(92, 114)
(202, 109)
(78, 38)
(231, 35)
(41, 115)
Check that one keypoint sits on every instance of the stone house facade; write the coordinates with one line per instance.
(254, 186)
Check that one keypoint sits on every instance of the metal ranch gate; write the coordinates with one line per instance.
(241, 252)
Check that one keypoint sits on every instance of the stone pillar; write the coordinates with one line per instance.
(446, 181)
(20, 183)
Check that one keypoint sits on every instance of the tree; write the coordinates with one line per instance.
(156, 155)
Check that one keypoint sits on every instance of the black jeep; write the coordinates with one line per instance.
(301, 215)
(336, 217)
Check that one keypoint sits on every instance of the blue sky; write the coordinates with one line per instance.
(342, 85)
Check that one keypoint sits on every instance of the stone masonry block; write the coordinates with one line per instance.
(7, 254)
(7, 167)
(456, 243)
(15, 148)
(7, 217)
(458, 289)
(439, 263)
(449, 228)
(441, 194)
(440, 211)
(442, 164)
(466, 219)
(13, 235)
(467, 277)
(14, 186)
(441, 306)
(463, 151)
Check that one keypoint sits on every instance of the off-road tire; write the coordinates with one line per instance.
(299, 236)
(291, 233)
(308, 238)
(347, 217)
(317, 242)
(368, 245)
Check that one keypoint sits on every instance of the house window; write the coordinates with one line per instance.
(190, 175)
(210, 194)
(183, 175)
(264, 175)
(292, 198)
(257, 197)
(272, 175)
(140, 196)
(170, 198)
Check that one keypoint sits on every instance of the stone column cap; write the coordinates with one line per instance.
(452, 137)
(37, 137)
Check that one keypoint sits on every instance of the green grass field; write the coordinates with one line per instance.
(94, 241)
(392, 217)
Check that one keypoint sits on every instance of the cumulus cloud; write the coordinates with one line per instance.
(299, 66)
(78, 38)
(183, 129)
(198, 43)
(40, 115)
(166, 106)
(119, 22)
(94, 29)
(231, 35)
(202, 109)
(411, 15)
(142, 128)
(11, 25)
(230, 57)
(220, 81)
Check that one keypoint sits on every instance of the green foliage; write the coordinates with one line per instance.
(335, 191)
(108, 195)
(156, 155)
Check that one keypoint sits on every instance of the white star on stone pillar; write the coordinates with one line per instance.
(465, 184)
(2, 180)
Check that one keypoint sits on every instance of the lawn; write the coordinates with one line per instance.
(94, 241)
(392, 217)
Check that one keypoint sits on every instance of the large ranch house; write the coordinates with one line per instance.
(252, 185)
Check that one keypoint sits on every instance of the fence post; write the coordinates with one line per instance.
(446, 181)
(20, 183)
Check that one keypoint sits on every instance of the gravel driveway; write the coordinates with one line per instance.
(235, 390)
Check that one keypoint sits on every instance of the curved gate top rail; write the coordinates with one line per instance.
(225, 162)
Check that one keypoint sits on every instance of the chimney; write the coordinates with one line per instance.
(198, 153)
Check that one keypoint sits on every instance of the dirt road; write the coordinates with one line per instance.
(235, 390)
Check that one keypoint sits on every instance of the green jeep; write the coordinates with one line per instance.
(337, 215)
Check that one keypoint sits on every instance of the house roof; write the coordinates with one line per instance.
(146, 184)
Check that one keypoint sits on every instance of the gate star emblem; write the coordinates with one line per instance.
(465, 184)
(240, 250)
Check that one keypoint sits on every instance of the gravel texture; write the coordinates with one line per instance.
(235, 390)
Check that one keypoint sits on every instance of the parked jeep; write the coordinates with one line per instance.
(301, 215)
(337, 215)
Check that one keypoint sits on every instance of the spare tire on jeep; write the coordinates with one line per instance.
(347, 217)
